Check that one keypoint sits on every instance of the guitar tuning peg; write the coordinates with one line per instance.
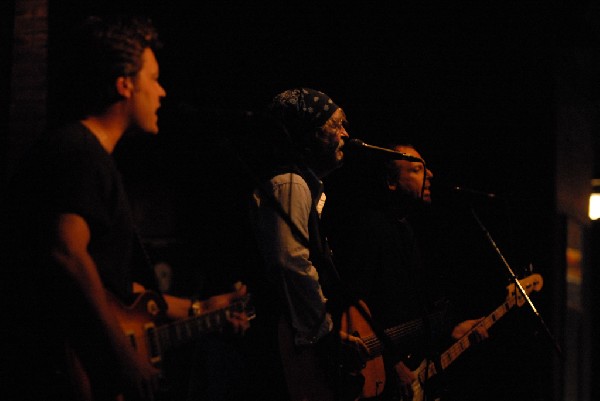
(529, 269)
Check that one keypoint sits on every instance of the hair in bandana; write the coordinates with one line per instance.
(302, 111)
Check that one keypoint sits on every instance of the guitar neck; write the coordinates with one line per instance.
(180, 332)
(531, 283)
(399, 333)
(460, 346)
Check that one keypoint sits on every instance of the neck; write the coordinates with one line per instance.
(107, 130)
(401, 205)
(322, 169)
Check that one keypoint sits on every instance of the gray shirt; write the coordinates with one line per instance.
(287, 258)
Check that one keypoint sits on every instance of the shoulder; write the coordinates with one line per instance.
(287, 189)
(73, 137)
(288, 185)
(290, 178)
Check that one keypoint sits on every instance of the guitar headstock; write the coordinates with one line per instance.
(245, 304)
(530, 283)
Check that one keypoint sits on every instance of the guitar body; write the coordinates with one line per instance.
(152, 334)
(373, 371)
(135, 320)
(139, 322)
(417, 386)
(305, 373)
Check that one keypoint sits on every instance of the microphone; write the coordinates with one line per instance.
(475, 192)
(390, 153)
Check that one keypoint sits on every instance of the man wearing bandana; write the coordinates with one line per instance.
(285, 211)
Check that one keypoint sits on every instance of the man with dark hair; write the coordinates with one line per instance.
(378, 255)
(69, 236)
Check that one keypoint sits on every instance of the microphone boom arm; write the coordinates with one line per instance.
(390, 153)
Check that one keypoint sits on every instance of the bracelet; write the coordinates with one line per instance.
(195, 308)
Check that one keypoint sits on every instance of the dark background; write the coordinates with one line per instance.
(471, 84)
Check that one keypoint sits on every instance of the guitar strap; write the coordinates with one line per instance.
(320, 253)
(144, 261)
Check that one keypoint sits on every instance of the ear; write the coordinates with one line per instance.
(124, 86)
(391, 185)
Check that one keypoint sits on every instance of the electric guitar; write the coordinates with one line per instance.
(312, 375)
(152, 334)
(427, 369)
(373, 370)
(141, 322)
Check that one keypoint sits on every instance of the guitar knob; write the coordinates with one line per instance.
(152, 308)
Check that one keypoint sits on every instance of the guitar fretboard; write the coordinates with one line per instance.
(533, 282)
(401, 332)
(166, 337)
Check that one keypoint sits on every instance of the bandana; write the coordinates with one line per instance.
(302, 110)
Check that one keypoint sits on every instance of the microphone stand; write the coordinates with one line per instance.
(514, 279)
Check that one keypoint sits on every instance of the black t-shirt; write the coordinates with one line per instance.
(67, 171)
(378, 258)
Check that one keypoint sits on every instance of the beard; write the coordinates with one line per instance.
(325, 156)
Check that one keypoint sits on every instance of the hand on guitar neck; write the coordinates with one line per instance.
(239, 320)
(150, 330)
(466, 334)
(179, 308)
(471, 336)
(479, 332)
(406, 378)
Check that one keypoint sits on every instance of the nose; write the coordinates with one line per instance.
(343, 133)
(162, 92)
(429, 174)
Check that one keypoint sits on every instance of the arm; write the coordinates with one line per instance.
(70, 252)
(288, 259)
(179, 308)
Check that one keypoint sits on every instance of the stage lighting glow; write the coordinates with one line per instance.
(595, 206)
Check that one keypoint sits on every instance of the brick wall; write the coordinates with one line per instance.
(28, 77)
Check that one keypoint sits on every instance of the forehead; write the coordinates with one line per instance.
(149, 61)
(338, 115)
(404, 165)
(405, 149)
(408, 150)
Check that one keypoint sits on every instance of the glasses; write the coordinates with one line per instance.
(337, 125)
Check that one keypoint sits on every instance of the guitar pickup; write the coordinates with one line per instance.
(153, 344)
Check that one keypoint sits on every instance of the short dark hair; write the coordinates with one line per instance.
(105, 48)
(391, 170)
